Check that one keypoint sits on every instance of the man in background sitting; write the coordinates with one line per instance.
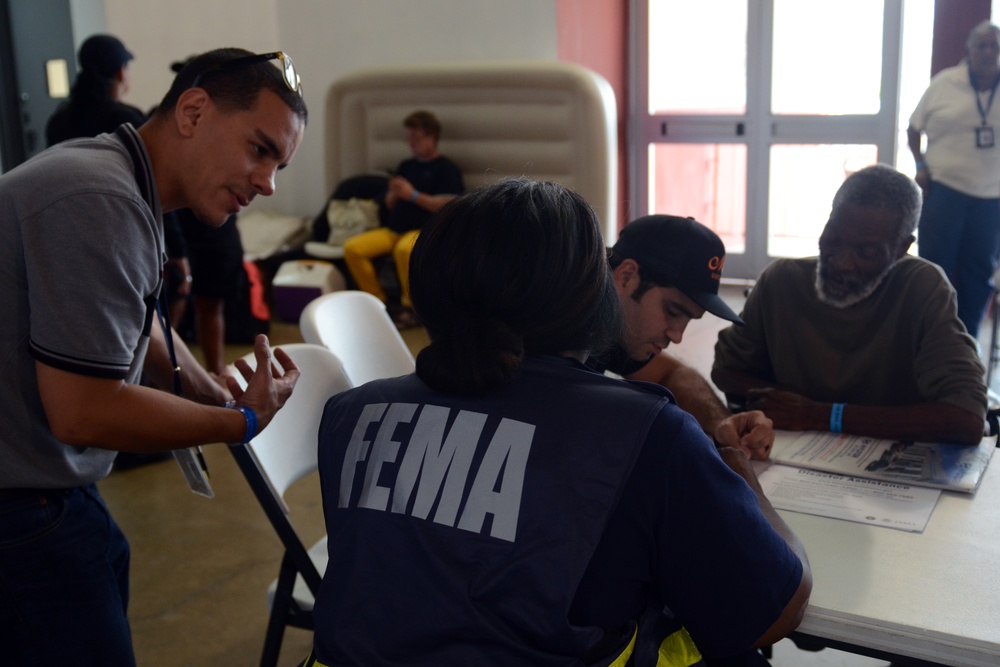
(420, 186)
(863, 339)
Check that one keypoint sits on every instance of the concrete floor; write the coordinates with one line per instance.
(200, 568)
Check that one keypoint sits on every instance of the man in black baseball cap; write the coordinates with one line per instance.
(682, 253)
(667, 271)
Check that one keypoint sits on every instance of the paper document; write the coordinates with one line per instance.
(875, 502)
(935, 464)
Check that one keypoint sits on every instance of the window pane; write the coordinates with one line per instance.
(697, 56)
(827, 57)
(704, 181)
(915, 71)
(803, 182)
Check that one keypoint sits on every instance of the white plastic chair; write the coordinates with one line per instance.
(282, 454)
(355, 326)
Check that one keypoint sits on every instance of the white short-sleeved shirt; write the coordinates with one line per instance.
(947, 113)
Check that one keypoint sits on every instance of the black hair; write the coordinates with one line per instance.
(647, 279)
(232, 90)
(91, 88)
(506, 270)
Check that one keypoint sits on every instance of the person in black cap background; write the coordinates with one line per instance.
(863, 339)
(94, 104)
(667, 270)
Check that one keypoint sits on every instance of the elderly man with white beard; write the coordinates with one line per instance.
(863, 339)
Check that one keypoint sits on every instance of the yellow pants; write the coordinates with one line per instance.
(360, 250)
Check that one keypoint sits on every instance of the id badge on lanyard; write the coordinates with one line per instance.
(984, 136)
(984, 133)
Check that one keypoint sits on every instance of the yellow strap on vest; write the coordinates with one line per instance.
(619, 661)
(311, 661)
(627, 653)
(678, 650)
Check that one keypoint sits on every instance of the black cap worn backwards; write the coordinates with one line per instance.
(682, 253)
(103, 55)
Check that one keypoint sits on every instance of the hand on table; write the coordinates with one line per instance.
(789, 411)
(752, 432)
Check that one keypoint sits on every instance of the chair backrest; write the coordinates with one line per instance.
(285, 451)
(356, 327)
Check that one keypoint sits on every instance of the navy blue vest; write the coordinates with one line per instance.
(460, 528)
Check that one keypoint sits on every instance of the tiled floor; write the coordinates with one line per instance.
(200, 567)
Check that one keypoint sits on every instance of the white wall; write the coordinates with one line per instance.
(327, 39)
(88, 18)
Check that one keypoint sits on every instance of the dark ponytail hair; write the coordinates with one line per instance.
(510, 269)
(91, 88)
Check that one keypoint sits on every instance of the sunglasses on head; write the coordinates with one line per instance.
(291, 77)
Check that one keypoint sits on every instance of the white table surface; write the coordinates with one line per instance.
(933, 595)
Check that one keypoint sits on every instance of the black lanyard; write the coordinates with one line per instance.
(163, 314)
(979, 102)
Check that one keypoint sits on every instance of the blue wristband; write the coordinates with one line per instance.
(251, 418)
(921, 164)
(413, 197)
(837, 418)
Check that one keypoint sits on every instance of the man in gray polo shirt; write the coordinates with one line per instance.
(81, 255)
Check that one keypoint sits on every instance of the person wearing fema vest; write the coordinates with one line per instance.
(666, 271)
(507, 505)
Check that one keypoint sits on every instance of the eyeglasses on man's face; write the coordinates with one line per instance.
(291, 77)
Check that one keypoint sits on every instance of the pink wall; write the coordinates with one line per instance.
(594, 34)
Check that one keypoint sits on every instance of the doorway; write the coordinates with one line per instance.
(37, 61)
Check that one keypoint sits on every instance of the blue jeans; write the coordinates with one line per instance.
(63, 581)
(961, 234)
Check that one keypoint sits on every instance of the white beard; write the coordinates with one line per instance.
(854, 298)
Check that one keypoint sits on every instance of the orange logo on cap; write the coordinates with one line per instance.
(715, 264)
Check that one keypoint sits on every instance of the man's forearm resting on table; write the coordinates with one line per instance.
(934, 421)
(942, 422)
